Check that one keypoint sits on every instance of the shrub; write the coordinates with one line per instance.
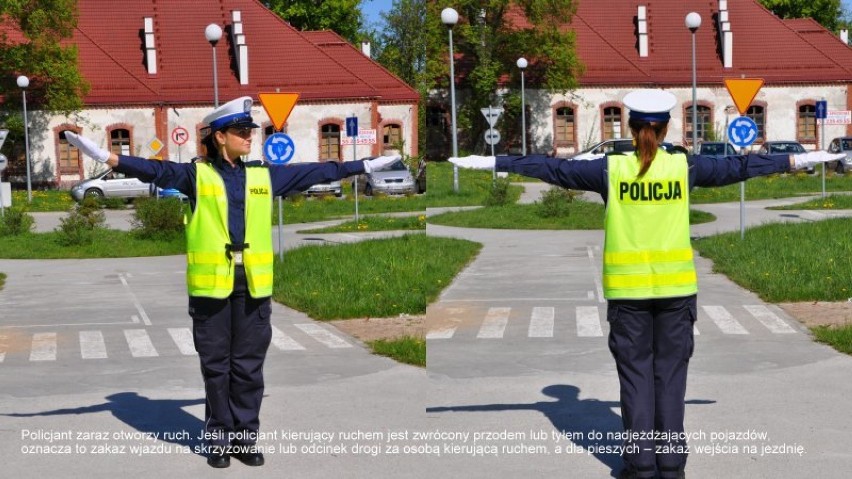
(555, 203)
(81, 224)
(113, 203)
(498, 193)
(158, 218)
(16, 221)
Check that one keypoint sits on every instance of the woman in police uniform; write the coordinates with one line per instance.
(649, 276)
(229, 262)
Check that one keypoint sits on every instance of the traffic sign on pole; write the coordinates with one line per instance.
(3, 134)
(352, 126)
(180, 135)
(742, 132)
(278, 106)
(279, 149)
(743, 91)
(492, 137)
(821, 110)
(492, 114)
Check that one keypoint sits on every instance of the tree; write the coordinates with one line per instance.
(341, 16)
(828, 13)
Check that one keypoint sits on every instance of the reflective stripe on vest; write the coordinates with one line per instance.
(647, 251)
(209, 272)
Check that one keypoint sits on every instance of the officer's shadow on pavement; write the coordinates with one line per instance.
(164, 419)
(575, 420)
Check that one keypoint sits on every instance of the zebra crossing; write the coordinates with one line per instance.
(590, 321)
(46, 347)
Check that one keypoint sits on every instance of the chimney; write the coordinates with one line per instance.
(365, 49)
(726, 35)
(150, 48)
(238, 40)
(642, 27)
(844, 36)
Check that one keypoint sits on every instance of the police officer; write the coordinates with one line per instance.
(229, 262)
(649, 276)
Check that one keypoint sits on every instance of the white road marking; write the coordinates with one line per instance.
(183, 339)
(284, 342)
(92, 345)
(541, 322)
(43, 347)
(724, 320)
(595, 274)
(588, 321)
(445, 333)
(136, 303)
(495, 323)
(695, 330)
(768, 319)
(140, 343)
(322, 335)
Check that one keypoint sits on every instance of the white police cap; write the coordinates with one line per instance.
(234, 113)
(650, 105)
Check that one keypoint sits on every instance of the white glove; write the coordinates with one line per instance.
(813, 158)
(88, 147)
(380, 163)
(474, 161)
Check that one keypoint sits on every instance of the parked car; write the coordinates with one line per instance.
(333, 188)
(716, 148)
(396, 179)
(171, 193)
(841, 144)
(110, 184)
(604, 147)
(782, 147)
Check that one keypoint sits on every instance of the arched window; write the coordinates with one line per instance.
(806, 123)
(330, 142)
(391, 137)
(758, 114)
(119, 141)
(704, 123)
(69, 156)
(612, 123)
(564, 126)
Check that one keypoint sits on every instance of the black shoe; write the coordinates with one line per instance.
(250, 458)
(219, 461)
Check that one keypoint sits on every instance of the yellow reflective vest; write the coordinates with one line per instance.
(647, 251)
(209, 270)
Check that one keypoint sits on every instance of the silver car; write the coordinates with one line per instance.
(110, 184)
(397, 179)
(332, 188)
(842, 144)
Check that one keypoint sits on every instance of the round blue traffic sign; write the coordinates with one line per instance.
(278, 148)
(742, 132)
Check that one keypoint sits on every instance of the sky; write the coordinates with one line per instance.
(373, 8)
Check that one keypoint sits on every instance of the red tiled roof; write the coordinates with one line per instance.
(334, 45)
(765, 46)
(110, 39)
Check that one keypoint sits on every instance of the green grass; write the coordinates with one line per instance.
(375, 223)
(787, 262)
(373, 278)
(107, 244)
(583, 215)
(840, 337)
(44, 200)
(408, 349)
(830, 202)
(773, 186)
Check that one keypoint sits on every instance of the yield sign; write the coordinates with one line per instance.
(743, 91)
(492, 114)
(278, 106)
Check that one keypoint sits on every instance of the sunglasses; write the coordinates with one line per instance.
(243, 132)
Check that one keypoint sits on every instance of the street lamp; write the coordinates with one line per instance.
(450, 17)
(693, 21)
(522, 64)
(23, 83)
(213, 33)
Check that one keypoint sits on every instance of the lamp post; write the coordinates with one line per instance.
(450, 17)
(213, 33)
(693, 21)
(23, 83)
(522, 64)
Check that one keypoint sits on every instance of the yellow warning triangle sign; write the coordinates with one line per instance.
(743, 91)
(278, 106)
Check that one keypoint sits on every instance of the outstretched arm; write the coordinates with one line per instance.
(721, 171)
(295, 178)
(586, 175)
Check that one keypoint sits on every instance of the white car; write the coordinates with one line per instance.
(397, 179)
(110, 184)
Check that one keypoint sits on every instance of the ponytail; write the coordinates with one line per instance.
(647, 137)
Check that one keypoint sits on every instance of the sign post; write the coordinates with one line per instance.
(492, 137)
(742, 91)
(352, 132)
(279, 148)
(179, 137)
(3, 163)
(822, 114)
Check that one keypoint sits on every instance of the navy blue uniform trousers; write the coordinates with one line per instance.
(652, 341)
(231, 336)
